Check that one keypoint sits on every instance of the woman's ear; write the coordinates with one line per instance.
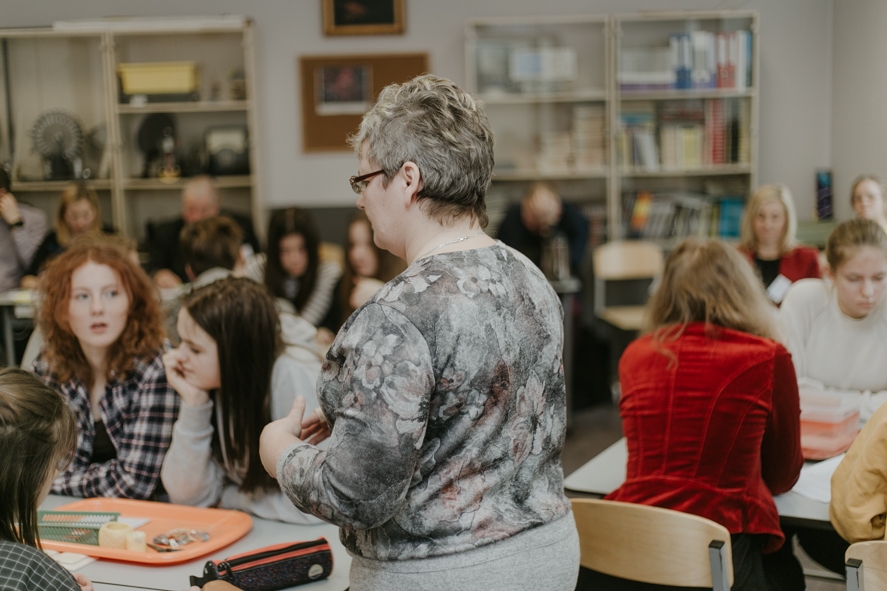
(412, 179)
(828, 273)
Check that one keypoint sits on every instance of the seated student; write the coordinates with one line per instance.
(837, 331)
(234, 376)
(367, 267)
(200, 200)
(867, 199)
(211, 250)
(708, 357)
(78, 213)
(294, 272)
(858, 507)
(542, 214)
(767, 238)
(103, 351)
(38, 432)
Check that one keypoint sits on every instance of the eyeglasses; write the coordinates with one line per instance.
(359, 183)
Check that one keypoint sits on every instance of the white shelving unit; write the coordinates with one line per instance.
(538, 77)
(73, 68)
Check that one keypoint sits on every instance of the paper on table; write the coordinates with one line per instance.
(134, 522)
(815, 481)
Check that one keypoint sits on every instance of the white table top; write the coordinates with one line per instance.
(112, 575)
(605, 472)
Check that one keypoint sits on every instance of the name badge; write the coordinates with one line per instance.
(777, 290)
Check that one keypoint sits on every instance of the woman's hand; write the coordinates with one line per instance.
(315, 428)
(83, 581)
(280, 434)
(364, 289)
(175, 375)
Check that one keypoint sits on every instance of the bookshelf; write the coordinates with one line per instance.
(608, 107)
(545, 83)
(73, 67)
(685, 118)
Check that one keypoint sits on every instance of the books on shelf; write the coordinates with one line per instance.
(694, 60)
(675, 215)
(597, 222)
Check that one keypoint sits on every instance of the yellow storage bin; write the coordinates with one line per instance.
(168, 78)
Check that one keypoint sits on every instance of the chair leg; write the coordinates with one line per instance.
(717, 555)
(854, 575)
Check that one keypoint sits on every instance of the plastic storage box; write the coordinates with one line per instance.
(159, 80)
(829, 423)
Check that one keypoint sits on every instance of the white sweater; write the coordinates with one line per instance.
(840, 352)
(192, 476)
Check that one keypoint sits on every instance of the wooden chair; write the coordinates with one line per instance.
(866, 562)
(624, 260)
(653, 545)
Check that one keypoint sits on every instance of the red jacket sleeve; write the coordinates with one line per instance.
(781, 457)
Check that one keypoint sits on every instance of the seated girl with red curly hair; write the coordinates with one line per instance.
(104, 352)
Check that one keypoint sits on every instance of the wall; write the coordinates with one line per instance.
(859, 105)
(796, 42)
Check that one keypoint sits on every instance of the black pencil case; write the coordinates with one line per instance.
(273, 567)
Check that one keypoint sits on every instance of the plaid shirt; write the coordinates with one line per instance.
(23, 568)
(138, 413)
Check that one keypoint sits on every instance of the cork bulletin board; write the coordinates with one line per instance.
(338, 90)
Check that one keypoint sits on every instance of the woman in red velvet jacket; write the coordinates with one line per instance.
(710, 404)
(767, 239)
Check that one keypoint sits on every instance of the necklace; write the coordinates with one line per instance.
(449, 243)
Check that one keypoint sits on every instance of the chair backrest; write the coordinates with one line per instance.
(624, 260)
(866, 564)
(653, 545)
(628, 259)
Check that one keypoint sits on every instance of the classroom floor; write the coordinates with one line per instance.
(594, 429)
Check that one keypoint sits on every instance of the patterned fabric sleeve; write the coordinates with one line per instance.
(23, 568)
(139, 418)
(384, 378)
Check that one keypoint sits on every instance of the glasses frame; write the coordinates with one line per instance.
(359, 183)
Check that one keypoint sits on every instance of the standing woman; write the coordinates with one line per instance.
(768, 240)
(103, 352)
(867, 199)
(78, 213)
(293, 271)
(367, 267)
(234, 376)
(445, 392)
(708, 357)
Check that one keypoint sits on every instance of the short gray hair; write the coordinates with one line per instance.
(442, 129)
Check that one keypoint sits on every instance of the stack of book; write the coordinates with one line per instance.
(636, 146)
(588, 137)
(555, 152)
(699, 59)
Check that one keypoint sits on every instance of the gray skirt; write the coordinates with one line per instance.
(545, 558)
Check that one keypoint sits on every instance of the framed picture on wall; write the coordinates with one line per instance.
(363, 17)
(338, 89)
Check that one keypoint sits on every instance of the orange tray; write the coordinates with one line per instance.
(222, 525)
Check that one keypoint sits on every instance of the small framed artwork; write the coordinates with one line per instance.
(338, 90)
(363, 17)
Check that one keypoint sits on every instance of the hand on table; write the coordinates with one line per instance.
(9, 209)
(175, 375)
(83, 581)
(165, 279)
(280, 434)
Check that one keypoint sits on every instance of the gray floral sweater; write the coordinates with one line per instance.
(446, 397)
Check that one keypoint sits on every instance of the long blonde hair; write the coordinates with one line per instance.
(778, 193)
(71, 194)
(708, 281)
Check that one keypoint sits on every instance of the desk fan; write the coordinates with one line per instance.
(58, 138)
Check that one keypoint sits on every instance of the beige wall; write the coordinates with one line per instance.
(796, 42)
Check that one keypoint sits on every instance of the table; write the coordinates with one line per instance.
(605, 472)
(117, 576)
(16, 309)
